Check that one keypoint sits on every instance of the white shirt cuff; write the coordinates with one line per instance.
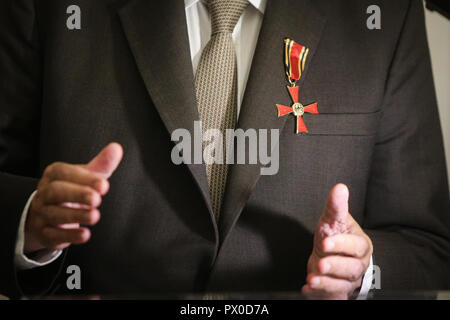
(41, 257)
(367, 282)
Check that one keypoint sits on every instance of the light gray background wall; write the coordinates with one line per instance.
(438, 30)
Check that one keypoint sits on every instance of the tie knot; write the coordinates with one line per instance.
(225, 14)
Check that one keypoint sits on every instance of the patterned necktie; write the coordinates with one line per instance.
(216, 86)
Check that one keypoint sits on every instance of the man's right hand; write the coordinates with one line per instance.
(67, 198)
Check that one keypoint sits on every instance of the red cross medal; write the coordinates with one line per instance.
(294, 59)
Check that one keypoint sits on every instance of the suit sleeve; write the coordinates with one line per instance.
(407, 207)
(20, 100)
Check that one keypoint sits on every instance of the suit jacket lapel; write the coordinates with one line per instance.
(266, 86)
(158, 38)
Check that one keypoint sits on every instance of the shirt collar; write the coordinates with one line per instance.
(260, 5)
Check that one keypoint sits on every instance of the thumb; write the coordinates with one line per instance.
(107, 161)
(336, 208)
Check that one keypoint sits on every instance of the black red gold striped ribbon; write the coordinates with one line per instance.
(294, 59)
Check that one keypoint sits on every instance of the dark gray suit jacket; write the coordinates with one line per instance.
(127, 76)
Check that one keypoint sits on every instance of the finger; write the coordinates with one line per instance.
(57, 215)
(58, 192)
(55, 237)
(336, 208)
(76, 174)
(347, 268)
(311, 293)
(107, 161)
(328, 284)
(346, 244)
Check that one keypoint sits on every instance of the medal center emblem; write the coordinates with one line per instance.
(298, 109)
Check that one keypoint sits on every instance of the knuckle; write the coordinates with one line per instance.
(324, 243)
(62, 217)
(57, 165)
(349, 287)
(358, 271)
(48, 170)
(90, 196)
(64, 171)
(35, 206)
(69, 216)
(353, 277)
(311, 264)
(321, 265)
(87, 190)
(42, 182)
(99, 183)
(51, 169)
(87, 194)
(366, 247)
(37, 223)
(42, 195)
(361, 251)
(362, 269)
(370, 249)
(45, 215)
(48, 192)
(38, 195)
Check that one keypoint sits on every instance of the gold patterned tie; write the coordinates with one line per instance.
(216, 86)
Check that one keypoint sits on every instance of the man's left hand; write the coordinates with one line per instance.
(341, 253)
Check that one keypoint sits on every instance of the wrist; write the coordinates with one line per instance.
(31, 244)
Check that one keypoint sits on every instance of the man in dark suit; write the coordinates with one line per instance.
(126, 75)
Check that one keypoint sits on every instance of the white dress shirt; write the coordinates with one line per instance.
(245, 37)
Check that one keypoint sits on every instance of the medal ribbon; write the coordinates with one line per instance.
(294, 60)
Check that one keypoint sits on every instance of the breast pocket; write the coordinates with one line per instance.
(343, 124)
